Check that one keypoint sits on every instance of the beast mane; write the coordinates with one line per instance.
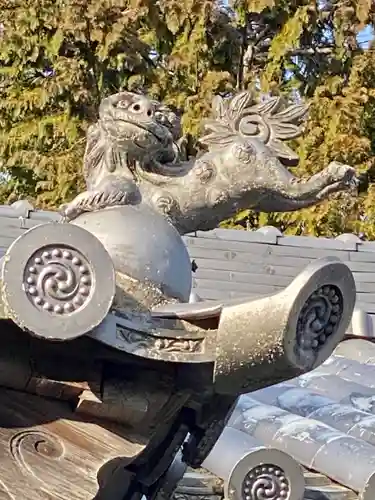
(271, 121)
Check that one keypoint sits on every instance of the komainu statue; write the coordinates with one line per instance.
(135, 155)
(109, 375)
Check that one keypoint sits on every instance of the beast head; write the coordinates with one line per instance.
(140, 126)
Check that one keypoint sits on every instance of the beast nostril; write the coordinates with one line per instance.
(143, 108)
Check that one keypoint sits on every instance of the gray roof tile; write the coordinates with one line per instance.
(321, 243)
(234, 263)
(367, 246)
(267, 234)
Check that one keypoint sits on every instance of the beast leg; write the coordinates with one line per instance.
(114, 191)
(294, 193)
(336, 177)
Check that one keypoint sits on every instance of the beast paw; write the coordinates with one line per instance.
(72, 210)
(343, 174)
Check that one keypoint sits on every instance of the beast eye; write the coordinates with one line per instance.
(121, 104)
(136, 107)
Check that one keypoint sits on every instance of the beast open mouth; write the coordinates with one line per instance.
(349, 184)
(161, 138)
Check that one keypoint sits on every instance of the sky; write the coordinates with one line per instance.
(365, 36)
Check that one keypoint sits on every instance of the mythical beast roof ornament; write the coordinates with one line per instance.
(133, 156)
(95, 312)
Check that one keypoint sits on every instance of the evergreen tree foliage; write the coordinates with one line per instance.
(313, 47)
(59, 58)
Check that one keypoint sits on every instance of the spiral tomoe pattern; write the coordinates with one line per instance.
(266, 482)
(58, 280)
(319, 318)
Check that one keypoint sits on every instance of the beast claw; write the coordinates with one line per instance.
(344, 174)
(354, 183)
(70, 211)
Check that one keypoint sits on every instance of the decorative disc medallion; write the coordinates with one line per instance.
(58, 281)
